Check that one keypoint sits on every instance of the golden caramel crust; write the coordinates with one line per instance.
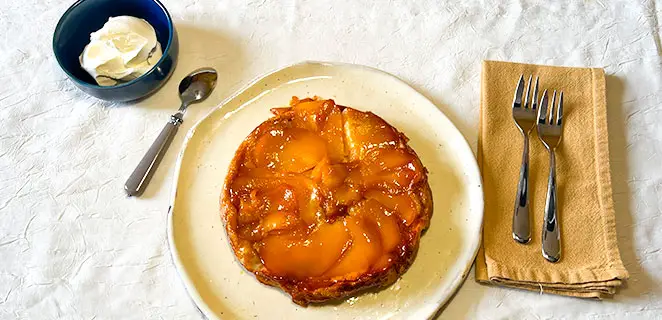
(308, 185)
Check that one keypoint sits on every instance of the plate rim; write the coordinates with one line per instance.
(179, 267)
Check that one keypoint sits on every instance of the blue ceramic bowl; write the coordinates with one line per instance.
(72, 34)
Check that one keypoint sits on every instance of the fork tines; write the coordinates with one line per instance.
(547, 117)
(517, 100)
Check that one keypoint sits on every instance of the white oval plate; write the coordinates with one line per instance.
(223, 289)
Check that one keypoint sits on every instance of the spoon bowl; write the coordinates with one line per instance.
(197, 85)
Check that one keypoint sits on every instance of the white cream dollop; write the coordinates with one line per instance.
(123, 49)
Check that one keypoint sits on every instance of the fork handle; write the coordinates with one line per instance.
(521, 229)
(551, 240)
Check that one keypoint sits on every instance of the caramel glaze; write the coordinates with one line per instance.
(323, 200)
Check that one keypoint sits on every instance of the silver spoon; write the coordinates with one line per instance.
(194, 88)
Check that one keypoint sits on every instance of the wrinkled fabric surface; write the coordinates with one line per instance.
(72, 246)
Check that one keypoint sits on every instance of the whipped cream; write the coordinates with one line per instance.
(122, 50)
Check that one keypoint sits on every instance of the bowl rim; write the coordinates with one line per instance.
(171, 31)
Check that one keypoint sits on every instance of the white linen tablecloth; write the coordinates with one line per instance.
(73, 246)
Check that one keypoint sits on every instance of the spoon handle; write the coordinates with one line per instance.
(140, 177)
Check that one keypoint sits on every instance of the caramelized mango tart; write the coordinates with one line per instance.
(324, 201)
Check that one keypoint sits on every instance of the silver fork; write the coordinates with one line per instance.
(525, 119)
(550, 129)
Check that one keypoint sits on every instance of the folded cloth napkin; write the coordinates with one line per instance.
(590, 264)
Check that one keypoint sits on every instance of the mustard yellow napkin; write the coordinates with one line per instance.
(590, 264)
